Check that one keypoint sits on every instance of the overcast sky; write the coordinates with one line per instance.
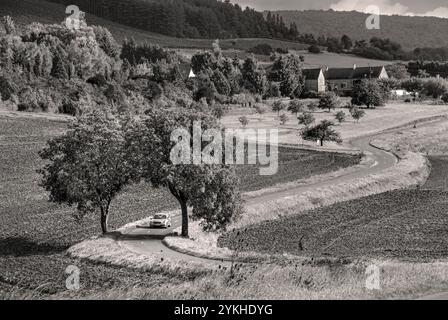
(438, 8)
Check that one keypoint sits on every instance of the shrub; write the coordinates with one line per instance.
(260, 109)
(340, 116)
(312, 106)
(296, 106)
(282, 50)
(278, 106)
(435, 87)
(328, 100)
(306, 119)
(283, 119)
(357, 113)
(244, 121)
(445, 97)
(219, 110)
(314, 49)
(152, 91)
(273, 90)
(35, 100)
(70, 107)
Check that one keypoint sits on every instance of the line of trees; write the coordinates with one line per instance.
(101, 154)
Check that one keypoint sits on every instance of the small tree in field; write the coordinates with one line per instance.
(321, 132)
(87, 165)
(340, 116)
(278, 106)
(244, 121)
(211, 190)
(328, 100)
(260, 109)
(312, 106)
(296, 106)
(283, 119)
(306, 119)
(357, 113)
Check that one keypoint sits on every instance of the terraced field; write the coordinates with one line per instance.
(34, 233)
(405, 224)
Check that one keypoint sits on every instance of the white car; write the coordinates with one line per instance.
(161, 220)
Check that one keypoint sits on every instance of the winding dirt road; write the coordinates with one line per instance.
(148, 241)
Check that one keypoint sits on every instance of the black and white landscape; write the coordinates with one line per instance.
(205, 150)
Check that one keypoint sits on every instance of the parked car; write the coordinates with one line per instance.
(161, 220)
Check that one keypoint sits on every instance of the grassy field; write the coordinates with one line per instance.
(35, 233)
(405, 224)
(392, 115)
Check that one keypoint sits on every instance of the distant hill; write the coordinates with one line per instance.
(27, 11)
(410, 32)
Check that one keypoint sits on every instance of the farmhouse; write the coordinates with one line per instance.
(314, 79)
(340, 80)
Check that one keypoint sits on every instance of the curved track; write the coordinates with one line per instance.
(147, 241)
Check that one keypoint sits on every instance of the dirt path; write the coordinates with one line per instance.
(149, 241)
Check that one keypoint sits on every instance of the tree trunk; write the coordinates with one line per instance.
(321, 142)
(183, 205)
(104, 220)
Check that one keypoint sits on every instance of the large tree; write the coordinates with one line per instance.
(210, 189)
(87, 166)
(253, 76)
(287, 70)
(368, 92)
